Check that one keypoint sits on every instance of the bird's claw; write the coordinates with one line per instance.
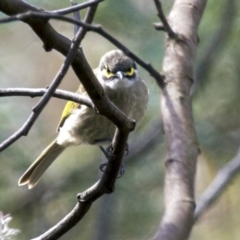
(103, 166)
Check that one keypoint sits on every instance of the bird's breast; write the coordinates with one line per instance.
(85, 126)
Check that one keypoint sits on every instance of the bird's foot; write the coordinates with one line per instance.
(107, 152)
(103, 166)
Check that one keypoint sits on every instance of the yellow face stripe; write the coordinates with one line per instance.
(107, 73)
(130, 72)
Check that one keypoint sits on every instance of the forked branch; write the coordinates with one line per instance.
(164, 25)
(103, 105)
(94, 28)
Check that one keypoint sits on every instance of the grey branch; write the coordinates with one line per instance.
(23, 131)
(76, 7)
(38, 92)
(218, 185)
(176, 106)
(164, 26)
(94, 28)
(159, 26)
(75, 57)
(76, 16)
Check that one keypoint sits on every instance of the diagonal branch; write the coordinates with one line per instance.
(218, 185)
(176, 106)
(37, 92)
(88, 18)
(23, 131)
(82, 69)
(53, 40)
(76, 7)
(165, 26)
(76, 16)
(94, 28)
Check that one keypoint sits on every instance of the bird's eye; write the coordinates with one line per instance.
(107, 73)
(130, 72)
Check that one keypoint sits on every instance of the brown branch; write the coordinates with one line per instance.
(88, 18)
(159, 26)
(171, 34)
(53, 40)
(104, 185)
(76, 16)
(88, 27)
(38, 92)
(69, 220)
(23, 131)
(76, 7)
(219, 184)
(178, 121)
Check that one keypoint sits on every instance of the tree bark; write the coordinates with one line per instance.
(178, 121)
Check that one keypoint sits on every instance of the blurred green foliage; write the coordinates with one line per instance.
(133, 211)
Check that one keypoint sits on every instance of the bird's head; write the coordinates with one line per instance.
(116, 69)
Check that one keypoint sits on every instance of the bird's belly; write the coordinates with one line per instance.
(85, 126)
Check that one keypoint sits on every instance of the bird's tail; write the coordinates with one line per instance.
(40, 165)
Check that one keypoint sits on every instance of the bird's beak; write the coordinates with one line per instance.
(120, 75)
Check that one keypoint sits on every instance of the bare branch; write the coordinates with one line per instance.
(82, 69)
(74, 216)
(52, 39)
(77, 16)
(23, 131)
(76, 7)
(37, 92)
(218, 185)
(104, 185)
(165, 25)
(159, 26)
(178, 121)
(98, 29)
(88, 18)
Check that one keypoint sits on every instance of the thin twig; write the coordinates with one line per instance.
(76, 16)
(218, 185)
(159, 26)
(88, 18)
(94, 28)
(166, 26)
(105, 107)
(76, 7)
(23, 131)
(38, 92)
(53, 40)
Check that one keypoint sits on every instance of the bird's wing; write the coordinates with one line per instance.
(72, 105)
(67, 111)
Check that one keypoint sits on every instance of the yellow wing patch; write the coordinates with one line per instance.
(67, 111)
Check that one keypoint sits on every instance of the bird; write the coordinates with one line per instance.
(79, 124)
